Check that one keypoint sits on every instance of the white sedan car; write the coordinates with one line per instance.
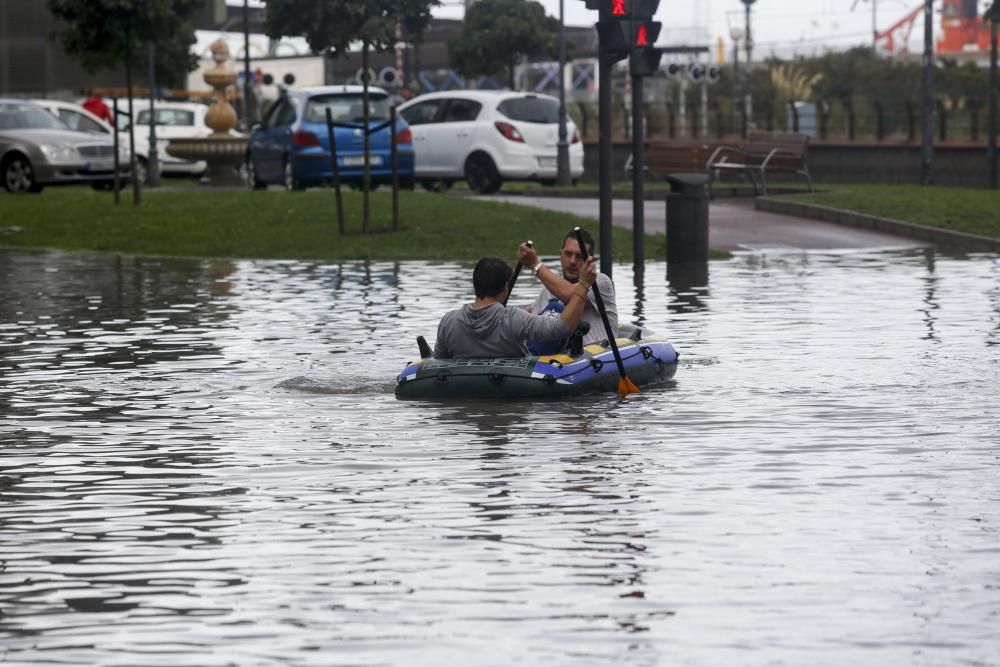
(488, 137)
(174, 120)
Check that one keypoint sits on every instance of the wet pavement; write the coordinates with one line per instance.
(734, 224)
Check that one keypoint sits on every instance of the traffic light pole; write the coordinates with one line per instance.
(638, 179)
(604, 154)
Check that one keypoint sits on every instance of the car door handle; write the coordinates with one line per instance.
(463, 134)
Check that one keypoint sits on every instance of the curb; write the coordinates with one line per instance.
(942, 237)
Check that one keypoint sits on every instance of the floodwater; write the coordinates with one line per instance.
(202, 463)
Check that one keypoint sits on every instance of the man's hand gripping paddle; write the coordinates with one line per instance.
(513, 278)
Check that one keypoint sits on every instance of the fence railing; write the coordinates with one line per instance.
(834, 120)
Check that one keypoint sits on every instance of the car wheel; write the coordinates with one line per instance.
(253, 181)
(481, 174)
(18, 176)
(291, 183)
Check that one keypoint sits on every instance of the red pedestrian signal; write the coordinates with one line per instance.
(618, 8)
(642, 36)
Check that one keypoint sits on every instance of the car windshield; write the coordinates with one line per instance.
(530, 109)
(346, 107)
(28, 116)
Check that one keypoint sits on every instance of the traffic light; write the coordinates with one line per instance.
(625, 25)
(645, 58)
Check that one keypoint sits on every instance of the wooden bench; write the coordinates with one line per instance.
(762, 153)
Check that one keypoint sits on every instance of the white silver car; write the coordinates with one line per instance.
(76, 117)
(37, 149)
(174, 120)
(487, 137)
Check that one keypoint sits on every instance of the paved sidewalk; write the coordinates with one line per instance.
(734, 225)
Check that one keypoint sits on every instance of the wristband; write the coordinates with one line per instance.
(534, 270)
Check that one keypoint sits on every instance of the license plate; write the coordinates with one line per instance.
(359, 161)
(100, 165)
(547, 162)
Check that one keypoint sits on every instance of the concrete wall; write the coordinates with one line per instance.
(954, 165)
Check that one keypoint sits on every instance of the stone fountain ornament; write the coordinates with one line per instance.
(222, 150)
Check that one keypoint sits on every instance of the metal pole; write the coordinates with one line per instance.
(153, 166)
(927, 134)
(638, 179)
(117, 182)
(992, 151)
(736, 82)
(604, 152)
(247, 76)
(875, 27)
(562, 154)
(747, 93)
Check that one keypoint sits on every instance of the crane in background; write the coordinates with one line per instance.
(962, 29)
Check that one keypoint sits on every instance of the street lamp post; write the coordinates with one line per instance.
(927, 89)
(562, 154)
(747, 95)
(247, 77)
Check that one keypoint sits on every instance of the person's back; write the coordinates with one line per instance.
(488, 329)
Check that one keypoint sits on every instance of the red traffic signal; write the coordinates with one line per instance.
(624, 9)
(613, 39)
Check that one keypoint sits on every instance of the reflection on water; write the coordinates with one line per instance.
(202, 463)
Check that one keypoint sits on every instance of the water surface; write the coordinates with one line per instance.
(202, 463)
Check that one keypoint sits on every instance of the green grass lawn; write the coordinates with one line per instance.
(975, 211)
(280, 225)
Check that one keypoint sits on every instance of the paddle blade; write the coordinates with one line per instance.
(626, 386)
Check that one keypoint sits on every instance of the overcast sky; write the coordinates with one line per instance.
(780, 26)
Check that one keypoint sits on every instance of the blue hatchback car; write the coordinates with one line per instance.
(291, 146)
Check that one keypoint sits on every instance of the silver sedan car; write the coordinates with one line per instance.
(38, 149)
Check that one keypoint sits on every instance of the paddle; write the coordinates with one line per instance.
(625, 386)
(513, 278)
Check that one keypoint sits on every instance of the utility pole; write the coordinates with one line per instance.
(736, 34)
(992, 16)
(604, 63)
(247, 76)
(926, 85)
(562, 154)
(747, 93)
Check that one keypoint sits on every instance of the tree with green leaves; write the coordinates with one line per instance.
(332, 26)
(104, 34)
(497, 35)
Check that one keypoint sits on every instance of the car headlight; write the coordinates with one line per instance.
(57, 153)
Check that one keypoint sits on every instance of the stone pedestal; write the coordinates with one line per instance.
(222, 150)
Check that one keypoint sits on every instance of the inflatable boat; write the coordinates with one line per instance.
(648, 358)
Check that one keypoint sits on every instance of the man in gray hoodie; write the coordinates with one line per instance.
(488, 329)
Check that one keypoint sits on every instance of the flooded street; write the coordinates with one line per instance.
(202, 463)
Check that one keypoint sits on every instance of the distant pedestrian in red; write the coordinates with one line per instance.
(96, 106)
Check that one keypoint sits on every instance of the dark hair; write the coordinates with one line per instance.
(490, 276)
(587, 239)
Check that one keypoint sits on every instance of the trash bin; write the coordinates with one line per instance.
(687, 218)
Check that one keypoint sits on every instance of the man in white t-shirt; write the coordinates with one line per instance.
(558, 290)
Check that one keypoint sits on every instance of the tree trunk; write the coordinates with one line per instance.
(136, 196)
(366, 179)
